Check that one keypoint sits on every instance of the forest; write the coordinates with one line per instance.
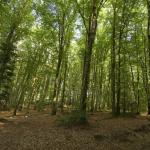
(74, 74)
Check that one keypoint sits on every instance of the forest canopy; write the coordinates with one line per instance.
(85, 55)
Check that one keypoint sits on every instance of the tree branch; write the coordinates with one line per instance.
(82, 16)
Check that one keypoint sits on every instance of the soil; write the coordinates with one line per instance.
(39, 131)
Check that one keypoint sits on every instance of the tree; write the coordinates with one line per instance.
(17, 12)
(113, 60)
(90, 27)
(148, 48)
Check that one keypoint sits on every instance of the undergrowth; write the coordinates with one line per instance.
(72, 119)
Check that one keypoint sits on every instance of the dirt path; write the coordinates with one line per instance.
(40, 132)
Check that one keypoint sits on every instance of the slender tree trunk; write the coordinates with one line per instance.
(119, 76)
(20, 94)
(124, 99)
(132, 77)
(148, 38)
(122, 26)
(64, 86)
(57, 76)
(113, 63)
(138, 91)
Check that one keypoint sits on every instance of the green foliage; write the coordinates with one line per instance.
(15, 18)
(40, 105)
(125, 115)
(72, 119)
(33, 32)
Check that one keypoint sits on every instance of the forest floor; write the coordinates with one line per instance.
(39, 131)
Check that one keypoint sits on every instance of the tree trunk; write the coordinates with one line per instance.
(148, 38)
(64, 86)
(122, 26)
(88, 53)
(57, 76)
(119, 77)
(113, 63)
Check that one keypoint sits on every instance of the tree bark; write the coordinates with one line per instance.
(148, 40)
(88, 53)
(113, 63)
(57, 75)
(64, 86)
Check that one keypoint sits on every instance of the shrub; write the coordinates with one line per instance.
(40, 105)
(72, 119)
